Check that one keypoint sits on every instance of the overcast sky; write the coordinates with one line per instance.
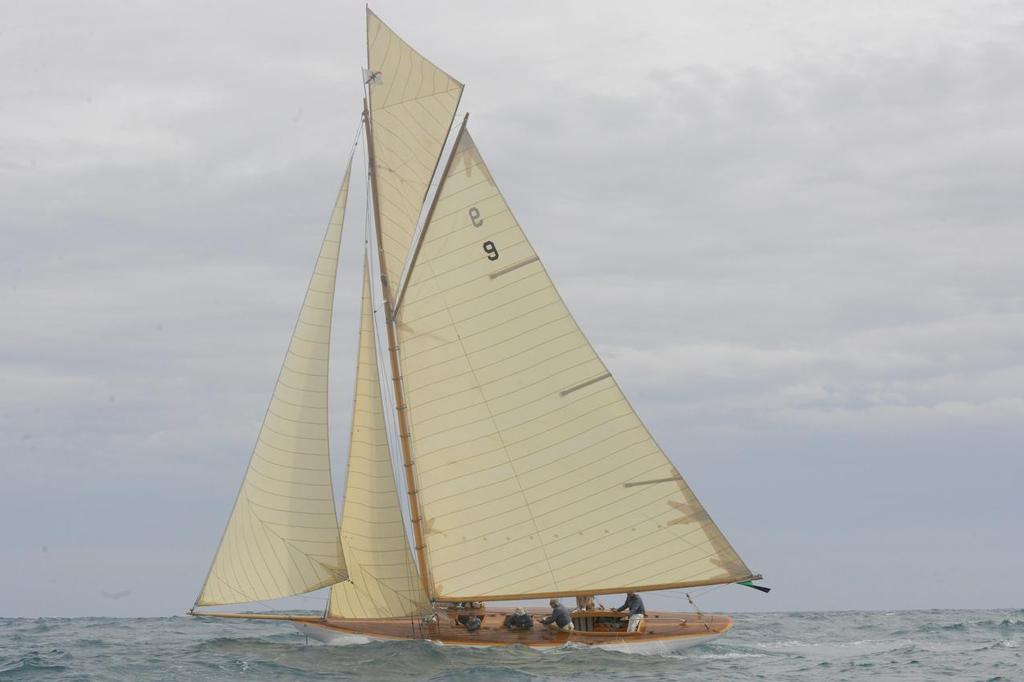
(792, 229)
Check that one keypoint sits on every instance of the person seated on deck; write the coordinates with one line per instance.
(469, 621)
(559, 618)
(636, 611)
(518, 620)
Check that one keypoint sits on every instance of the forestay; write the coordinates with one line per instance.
(282, 536)
(383, 581)
(535, 475)
(412, 104)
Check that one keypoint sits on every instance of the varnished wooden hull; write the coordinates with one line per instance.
(663, 632)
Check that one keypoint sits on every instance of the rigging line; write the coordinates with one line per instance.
(699, 592)
(355, 141)
(411, 574)
(389, 416)
(387, 399)
(366, 235)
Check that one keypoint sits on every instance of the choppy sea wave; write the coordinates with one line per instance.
(909, 645)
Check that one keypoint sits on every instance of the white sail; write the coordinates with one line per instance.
(383, 581)
(282, 536)
(412, 104)
(535, 475)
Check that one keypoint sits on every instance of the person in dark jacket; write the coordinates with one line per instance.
(636, 611)
(519, 620)
(560, 618)
(469, 621)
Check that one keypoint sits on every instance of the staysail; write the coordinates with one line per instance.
(412, 104)
(534, 474)
(383, 581)
(282, 536)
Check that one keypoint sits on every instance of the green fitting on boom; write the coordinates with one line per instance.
(750, 583)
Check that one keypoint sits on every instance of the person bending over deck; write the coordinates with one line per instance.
(636, 611)
(469, 621)
(519, 620)
(560, 619)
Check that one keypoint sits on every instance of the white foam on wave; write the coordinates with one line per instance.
(857, 643)
(783, 644)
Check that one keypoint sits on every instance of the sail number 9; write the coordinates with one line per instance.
(489, 248)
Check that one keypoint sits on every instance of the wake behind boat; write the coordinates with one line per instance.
(527, 472)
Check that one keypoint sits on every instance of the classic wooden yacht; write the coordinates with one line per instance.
(525, 471)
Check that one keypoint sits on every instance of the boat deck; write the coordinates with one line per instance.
(592, 627)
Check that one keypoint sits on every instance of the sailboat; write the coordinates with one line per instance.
(526, 472)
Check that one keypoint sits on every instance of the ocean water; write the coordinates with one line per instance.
(907, 645)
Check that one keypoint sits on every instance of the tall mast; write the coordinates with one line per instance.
(396, 377)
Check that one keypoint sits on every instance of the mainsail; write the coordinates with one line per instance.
(534, 474)
(383, 581)
(411, 105)
(282, 536)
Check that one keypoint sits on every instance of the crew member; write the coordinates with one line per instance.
(519, 620)
(636, 611)
(560, 619)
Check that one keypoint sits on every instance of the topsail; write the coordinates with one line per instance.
(411, 104)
